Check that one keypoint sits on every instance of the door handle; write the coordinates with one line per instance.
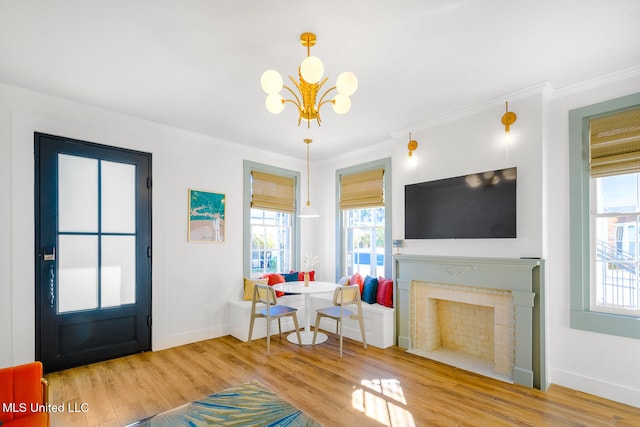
(51, 256)
(52, 285)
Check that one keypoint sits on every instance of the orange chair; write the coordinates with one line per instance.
(23, 396)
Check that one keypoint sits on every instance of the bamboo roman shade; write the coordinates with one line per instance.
(615, 144)
(362, 190)
(272, 192)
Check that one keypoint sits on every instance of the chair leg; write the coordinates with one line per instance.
(295, 324)
(268, 336)
(279, 327)
(315, 329)
(364, 338)
(340, 326)
(251, 327)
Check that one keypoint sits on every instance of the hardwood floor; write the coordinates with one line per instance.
(370, 387)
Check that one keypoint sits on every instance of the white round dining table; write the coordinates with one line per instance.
(299, 288)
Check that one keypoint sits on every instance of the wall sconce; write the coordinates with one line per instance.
(508, 119)
(412, 146)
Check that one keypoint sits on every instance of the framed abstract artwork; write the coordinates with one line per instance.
(206, 216)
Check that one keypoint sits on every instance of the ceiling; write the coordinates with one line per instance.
(196, 64)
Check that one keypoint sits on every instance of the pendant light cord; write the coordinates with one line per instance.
(308, 174)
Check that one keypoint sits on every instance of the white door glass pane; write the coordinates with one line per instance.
(77, 194)
(118, 197)
(77, 273)
(118, 273)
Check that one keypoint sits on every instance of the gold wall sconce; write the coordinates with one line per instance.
(412, 146)
(508, 119)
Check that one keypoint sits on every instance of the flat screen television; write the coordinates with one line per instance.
(476, 206)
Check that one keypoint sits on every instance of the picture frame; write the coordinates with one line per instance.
(206, 216)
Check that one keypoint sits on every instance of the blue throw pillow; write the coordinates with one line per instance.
(370, 290)
(290, 277)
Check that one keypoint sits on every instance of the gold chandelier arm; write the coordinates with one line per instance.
(297, 101)
(322, 102)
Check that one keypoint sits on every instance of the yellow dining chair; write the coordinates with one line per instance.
(266, 295)
(342, 296)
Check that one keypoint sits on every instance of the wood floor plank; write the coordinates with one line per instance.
(371, 387)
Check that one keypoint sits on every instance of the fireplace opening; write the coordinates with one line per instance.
(467, 327)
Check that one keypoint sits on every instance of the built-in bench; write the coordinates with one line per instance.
(378, 320)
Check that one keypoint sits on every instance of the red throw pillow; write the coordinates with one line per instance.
(357, 279)
(385, 292)
(312, 275)
(274, 279)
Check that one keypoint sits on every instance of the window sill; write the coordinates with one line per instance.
(606, 323)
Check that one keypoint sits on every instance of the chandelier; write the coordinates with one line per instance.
(310, 81)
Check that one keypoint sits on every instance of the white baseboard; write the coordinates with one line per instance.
(190, 337)
(597, 387)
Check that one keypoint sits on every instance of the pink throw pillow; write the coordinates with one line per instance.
(357, 279)
(385, 292)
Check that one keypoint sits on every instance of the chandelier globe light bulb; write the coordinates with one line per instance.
(274, 103)
(341, 104)
(347, 83)
(312, 69)
(271, 82)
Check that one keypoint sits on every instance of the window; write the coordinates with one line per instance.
(364, 219)
(616, 210)
(604, 213)
(364, 241)
(270, 224)
(271, 248)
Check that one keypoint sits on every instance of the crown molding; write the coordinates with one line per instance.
(596, 82)
(540, 88)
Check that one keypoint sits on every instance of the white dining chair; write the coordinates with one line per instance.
(266, 295)
(342, 296)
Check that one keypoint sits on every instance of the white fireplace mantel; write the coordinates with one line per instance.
(523, 277)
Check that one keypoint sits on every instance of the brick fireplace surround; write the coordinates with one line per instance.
(487, 309)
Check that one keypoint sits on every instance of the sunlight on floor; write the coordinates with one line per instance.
(383, 400)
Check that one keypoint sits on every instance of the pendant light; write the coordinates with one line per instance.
(307, 211)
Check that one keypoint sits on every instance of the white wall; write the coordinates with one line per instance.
(191, 281)
(595, 363)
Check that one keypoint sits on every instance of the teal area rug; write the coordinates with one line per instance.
(250, 404)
